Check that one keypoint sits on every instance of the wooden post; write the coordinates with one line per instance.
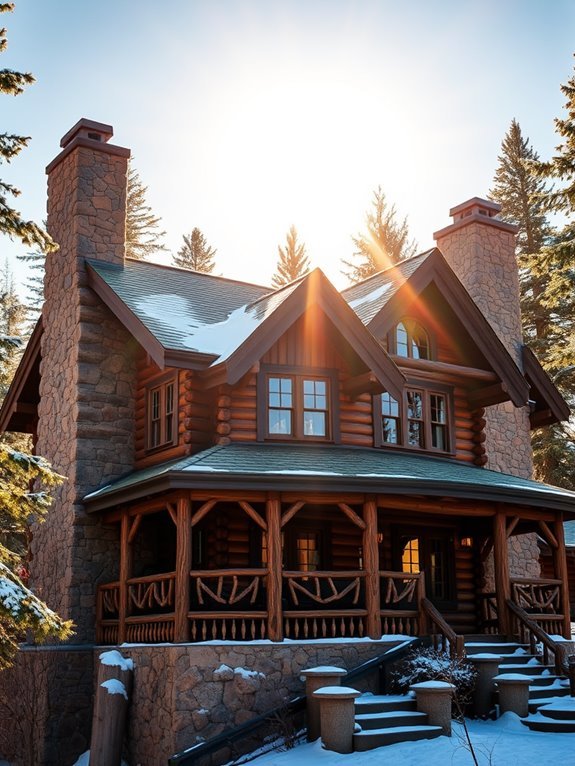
(371, 566)
(113, 689)
(501, 567)
(274, 578)
(183, 567)
(125, 572)
(560, 567)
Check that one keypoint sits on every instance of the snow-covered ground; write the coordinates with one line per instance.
(505, 742)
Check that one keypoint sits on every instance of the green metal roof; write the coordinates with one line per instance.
(331, 468)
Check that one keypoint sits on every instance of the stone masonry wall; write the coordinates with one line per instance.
(186, 693)
(86, 412)
(483, 257)
(46, 705)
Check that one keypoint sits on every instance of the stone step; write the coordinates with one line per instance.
(393, 718)
(543, 680)
(491, 638)
(521, 659)
(368, 740)
(384, 703)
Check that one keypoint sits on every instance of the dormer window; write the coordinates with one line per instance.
(297, 405)
(421, 420)
(410, 340)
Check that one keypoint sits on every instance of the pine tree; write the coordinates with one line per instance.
(195, 253)
(386, 242)
(293, 262)
(143, 236)
(11, 222)
(19, 608)
(34, 285)
(12, 321)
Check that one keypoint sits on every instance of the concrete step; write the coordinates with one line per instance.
(393, 718)
(562, 709)
(505, 649)
(368, 740)
(538, 722)
(491, 638)
(520, 659)
(543, 680)
(552, 698)
(529, 669)
(544, 692)
(384, 703)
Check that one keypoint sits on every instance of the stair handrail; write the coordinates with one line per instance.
(535, 634)
(192, 755)
(455, 642)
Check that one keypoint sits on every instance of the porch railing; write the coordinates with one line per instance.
(231, 604)
(541, 601)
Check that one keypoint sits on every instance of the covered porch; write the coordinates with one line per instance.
(242, 565)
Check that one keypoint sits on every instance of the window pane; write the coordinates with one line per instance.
(314, 423)
(279, 421)
(390, 431)
(415, 433)
(419, 343)
(410, 555)
(308, 386)
(389, 405)
(307, 551)
(438, 436)
(414, 405)
(438, 414)
(401, 345)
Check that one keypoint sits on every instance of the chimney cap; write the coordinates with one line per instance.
(475, 205)
(96, 131)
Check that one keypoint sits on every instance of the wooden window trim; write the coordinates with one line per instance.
(427, 389)
(161, 383)
(298, 374)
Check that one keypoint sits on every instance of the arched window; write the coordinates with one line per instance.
(411, 340)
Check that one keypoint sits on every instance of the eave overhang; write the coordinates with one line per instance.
(14, 411)
(549, 406)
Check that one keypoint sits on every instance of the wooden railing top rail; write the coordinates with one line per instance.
(194, 754)
(151, 578)
(108, 585)
(534, 581)
(324, 574)
(540, 635)
(401, 575)
(253, 572)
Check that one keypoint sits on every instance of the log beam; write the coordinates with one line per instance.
(274, 564)
(125, 574)
(371, 566)
(501, 566)
(352, 515)
(183, 567)
(560, 567)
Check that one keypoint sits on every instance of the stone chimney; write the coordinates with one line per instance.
(480, 248)
(86, 411)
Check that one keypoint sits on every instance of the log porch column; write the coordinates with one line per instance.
(183, 567)
(560, 568)
(125, 573)
(501, 567)
(274, 566)
(371, 565)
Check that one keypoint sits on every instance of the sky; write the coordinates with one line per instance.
(247, 116)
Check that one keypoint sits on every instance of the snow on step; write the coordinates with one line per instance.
(368, 740)
(379, 703)
(390, 718)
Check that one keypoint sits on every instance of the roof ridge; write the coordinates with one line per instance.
(169, 267)
(389, 268)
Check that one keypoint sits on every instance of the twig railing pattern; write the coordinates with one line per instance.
(231, 586)
(401, 595)
(147, 593)
(323, 587)
(541, 596)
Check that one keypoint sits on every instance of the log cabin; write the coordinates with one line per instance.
(248, 463)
